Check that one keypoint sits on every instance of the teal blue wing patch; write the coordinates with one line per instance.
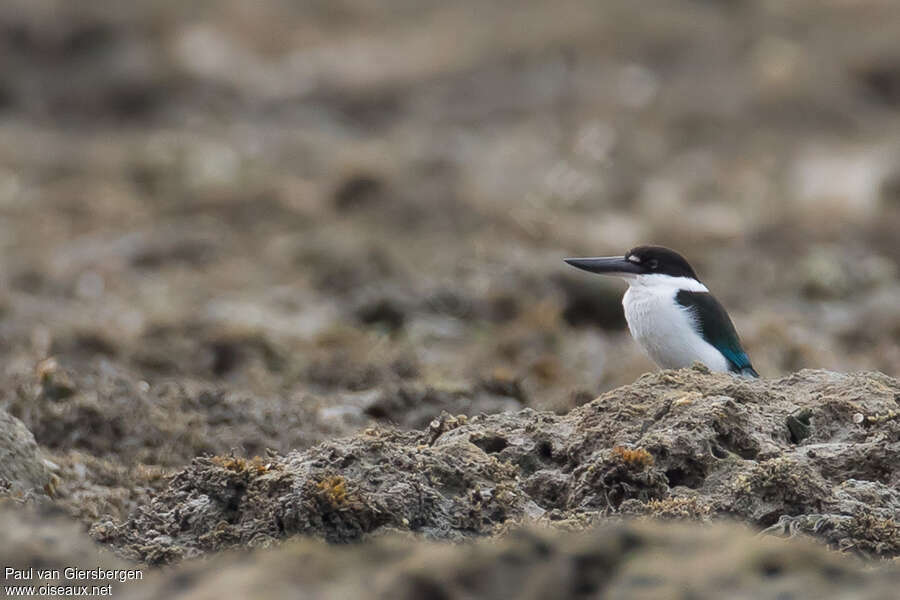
(717, 329)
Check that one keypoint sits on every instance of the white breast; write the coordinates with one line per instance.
(665, 329)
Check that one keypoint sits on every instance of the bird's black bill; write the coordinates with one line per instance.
(606, 265)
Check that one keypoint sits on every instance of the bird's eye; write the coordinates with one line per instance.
(653, 263)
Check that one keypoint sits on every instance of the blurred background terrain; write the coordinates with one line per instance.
(249, 225)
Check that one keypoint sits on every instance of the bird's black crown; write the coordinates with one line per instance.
(658, 259)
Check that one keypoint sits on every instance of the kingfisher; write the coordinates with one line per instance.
(670, 313)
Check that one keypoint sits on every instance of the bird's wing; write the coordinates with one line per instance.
(716, 328)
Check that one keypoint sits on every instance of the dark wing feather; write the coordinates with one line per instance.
(717, 329)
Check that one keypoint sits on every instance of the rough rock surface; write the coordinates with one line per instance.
(112, 414)
(624, 561)
(813, 452)
(22, 468)
(630, 560)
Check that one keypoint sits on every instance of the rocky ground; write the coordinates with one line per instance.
(813, 453)
(633, 560)
(282, 268)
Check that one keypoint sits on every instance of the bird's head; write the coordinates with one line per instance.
(641, 263)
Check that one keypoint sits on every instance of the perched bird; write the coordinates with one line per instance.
(670, 313)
